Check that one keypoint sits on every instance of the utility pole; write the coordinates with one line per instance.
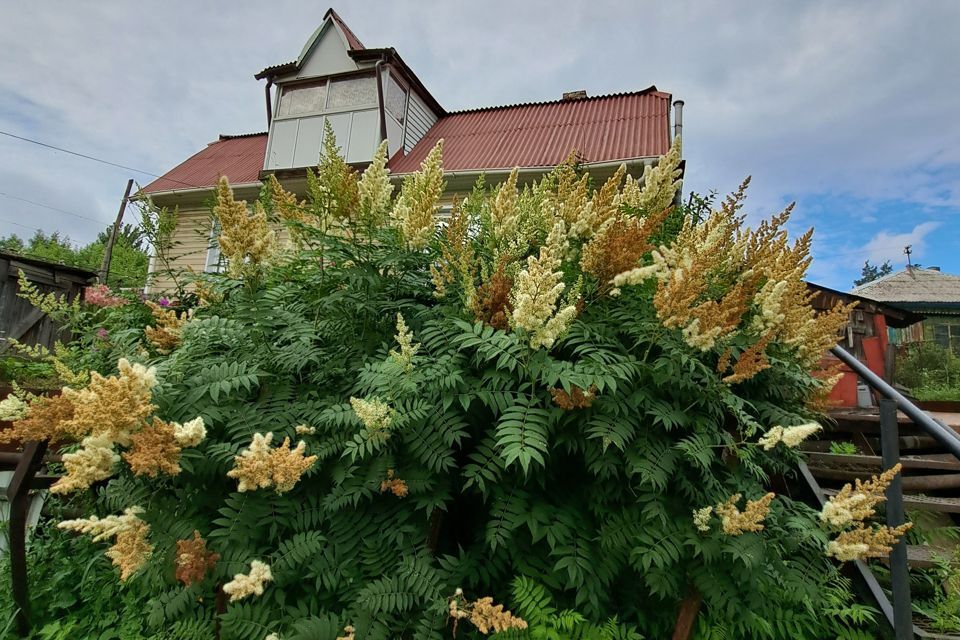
(108, 250)
(908, 250)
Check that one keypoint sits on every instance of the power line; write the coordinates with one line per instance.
(19, 224)
(95, 159)
(46, 206)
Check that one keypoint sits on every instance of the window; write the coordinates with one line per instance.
(213, 264)
(304, 98)
(941, 335)
(947, 335)
(395, 100)
(348, 103)
(328, 95)
(352, 92)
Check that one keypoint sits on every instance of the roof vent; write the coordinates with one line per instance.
(575, 95)
(934, 268)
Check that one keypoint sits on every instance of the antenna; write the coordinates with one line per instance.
(908, 250)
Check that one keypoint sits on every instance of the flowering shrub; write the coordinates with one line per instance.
(503, 422)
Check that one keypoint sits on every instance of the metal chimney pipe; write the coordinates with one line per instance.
(677, 118)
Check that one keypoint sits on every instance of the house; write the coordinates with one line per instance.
(369, 95)
(928, 292)
(866, 336)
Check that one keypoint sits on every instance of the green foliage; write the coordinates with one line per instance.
(844, 448)
(128, 265)
(579, 518)
(870, 272)
(929, 370)
(74, 592)
(30, 374)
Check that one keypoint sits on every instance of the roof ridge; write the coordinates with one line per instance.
(620, 94)
(230, 136)
(348, 32)
(902, 272)
(878, 280)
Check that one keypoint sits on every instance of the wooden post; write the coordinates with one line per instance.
(687, 615)
(108, 250)
(18, 494)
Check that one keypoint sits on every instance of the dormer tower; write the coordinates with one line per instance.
(366, 95)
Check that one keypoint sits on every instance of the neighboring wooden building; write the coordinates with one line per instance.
(370, 95)
(20, 320)
(866, 337)
(929, 292)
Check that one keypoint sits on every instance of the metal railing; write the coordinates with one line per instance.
(900, 611)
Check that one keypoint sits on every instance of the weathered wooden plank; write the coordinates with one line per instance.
(910, 483)
(18, 494)
(921, 502)
(24, 325)
(820, 459)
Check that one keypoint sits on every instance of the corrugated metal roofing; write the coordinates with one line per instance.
(352, 40)
(600, 129)
(913, 285)
(240, 158)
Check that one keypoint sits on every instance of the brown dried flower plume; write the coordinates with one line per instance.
(193, 561)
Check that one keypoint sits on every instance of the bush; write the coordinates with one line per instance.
(929, 370)
(529, 407)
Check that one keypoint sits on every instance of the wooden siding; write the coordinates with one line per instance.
(419, 120)
(191, 240)
(19, 319)
(191, 244)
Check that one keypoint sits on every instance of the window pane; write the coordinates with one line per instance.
(303, 99)
(941, 335)
(395, 102)
(213, 264)
(352, 92)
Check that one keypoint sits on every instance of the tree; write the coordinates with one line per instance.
(128, 267)
(392, 429)
(871, 272)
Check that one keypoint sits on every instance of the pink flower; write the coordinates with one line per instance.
(102, 333)
(163, 302)
(100, 295)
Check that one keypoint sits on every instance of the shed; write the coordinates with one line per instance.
(20, 320)
(866, 336)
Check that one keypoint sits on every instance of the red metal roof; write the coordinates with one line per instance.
(352, 40)
(240, 158)
(600, 129)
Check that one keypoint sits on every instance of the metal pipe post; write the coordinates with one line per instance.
(947, 438)
(899, 572)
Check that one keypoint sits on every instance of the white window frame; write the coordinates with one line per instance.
(326, 98)
(213, 262)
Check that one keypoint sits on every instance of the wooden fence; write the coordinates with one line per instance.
(19, 320)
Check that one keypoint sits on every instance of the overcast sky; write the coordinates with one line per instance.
(850, 108)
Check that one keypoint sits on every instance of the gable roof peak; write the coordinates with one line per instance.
(331, 17)
(913, 285)
(353, 42)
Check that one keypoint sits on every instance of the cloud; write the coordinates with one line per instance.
(810, 98)
(890, 246)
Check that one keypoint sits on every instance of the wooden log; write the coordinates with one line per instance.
(840, 460)
(687, 615)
